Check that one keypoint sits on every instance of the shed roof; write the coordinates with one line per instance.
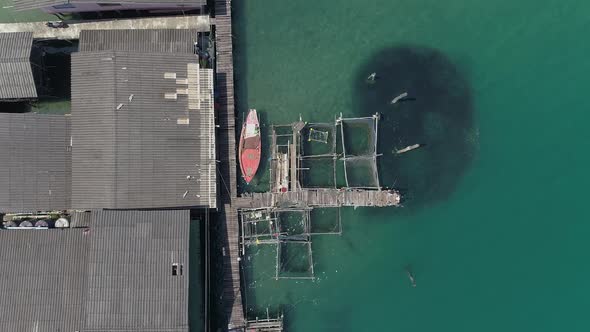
(139, 41)
(16, 76)
(130, 286)
(44, 279)
(33, 4)
(115, 277)
(35, 167)
(143, 127)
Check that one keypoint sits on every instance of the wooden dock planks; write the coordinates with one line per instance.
(224, 86)
(232, 295)
(321, 198)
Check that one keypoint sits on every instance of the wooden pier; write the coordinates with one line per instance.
(265, 325)
(232, 295)
(226, 142)
(324, 197)
(369, 195)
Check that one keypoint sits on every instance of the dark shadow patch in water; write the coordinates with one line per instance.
(437, 112)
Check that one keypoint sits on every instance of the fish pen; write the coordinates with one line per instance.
(359, 151)
(289, 229)
(318, 156)
(258, 227)
(326, 221)
(284, 161)
(306, 155)
(267, 324)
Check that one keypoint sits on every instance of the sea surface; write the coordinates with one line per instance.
(495, 225)
(495, 228)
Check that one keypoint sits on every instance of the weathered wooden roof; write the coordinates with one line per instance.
(16, 77)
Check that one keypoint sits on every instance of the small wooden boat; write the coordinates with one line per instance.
(250, 144)
(409, 148)
(411, 276)
(398, 98)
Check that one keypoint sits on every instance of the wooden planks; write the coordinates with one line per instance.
(225, 99)
(224, 86)
(321, 198)
(232, 295)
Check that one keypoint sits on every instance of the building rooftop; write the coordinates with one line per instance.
(16, 76)
(143, 126)
(139, 41)
(35, 168)
(34, 4)
(116, 275)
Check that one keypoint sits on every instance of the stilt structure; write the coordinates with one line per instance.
(226, 142)
(294, 148)
(358, 191)
(286, 228)
(265, 324)
(368, 158)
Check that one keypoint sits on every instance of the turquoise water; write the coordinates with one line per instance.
(500, 243)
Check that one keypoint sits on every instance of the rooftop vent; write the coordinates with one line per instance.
(177, 269)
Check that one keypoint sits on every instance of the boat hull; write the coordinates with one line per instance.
(250, 146)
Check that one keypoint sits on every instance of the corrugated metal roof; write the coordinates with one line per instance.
(32, 4)
(143, 130)
(115, 277)
(130, 281)
(16, 76)
(43, 279)
(80, 218)
(35, 167)
(143, 41)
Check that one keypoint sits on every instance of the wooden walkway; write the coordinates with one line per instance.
(321, 198)
(232, 296)
(226, 142)
(41, 31)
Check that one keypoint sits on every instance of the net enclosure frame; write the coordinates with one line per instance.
(274, 234)
(369, 158)
(282, 137)
(307, 157)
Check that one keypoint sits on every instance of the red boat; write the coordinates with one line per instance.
(249, 150)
